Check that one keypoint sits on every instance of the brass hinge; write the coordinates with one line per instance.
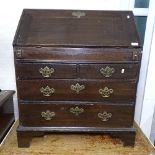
(18, 53)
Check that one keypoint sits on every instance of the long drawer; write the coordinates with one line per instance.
(76, 115)
(81, 90)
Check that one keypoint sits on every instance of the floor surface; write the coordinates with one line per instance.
(76, 145)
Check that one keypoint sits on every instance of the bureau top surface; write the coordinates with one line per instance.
(77, 28)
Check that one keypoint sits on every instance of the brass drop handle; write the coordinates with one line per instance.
(47, 91)
(48, 115)
(46, 71)
(105, 92)
(76, 111)
(77, 87)
(107, 71)
(105, 116)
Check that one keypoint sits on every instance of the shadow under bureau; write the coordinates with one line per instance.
(76, 72)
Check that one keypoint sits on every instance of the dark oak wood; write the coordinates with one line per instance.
(86, 71)
(122, 115)
(61, 28)
(77, 44)
(77, 55)
(24, 138)
(32, 70)
(121, 71)
(25, 134)
(122, 90)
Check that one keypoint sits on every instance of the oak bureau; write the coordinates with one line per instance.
(76, 72)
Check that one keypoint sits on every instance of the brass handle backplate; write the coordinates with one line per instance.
(48, 115)
(76, 111)
(105, 116)
(106, 92)
(46, 71)
(77, 88)
(107, 71)
(47, 91)
(78, 14)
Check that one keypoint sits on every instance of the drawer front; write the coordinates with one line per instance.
(45, 70)
(60, 54)
(76, 115)
(84, 90)
(106, 71)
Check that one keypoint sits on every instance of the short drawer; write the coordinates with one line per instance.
(45, 70)
(76, 115)
(106, 71)
(80, 90)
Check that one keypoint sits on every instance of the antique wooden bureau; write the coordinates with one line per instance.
(76, 71)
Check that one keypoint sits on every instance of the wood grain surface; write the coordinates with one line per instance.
(32, 70)
(73, 144)
(123, 91)
(84, 55)
(121, 115)
(62, 28)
